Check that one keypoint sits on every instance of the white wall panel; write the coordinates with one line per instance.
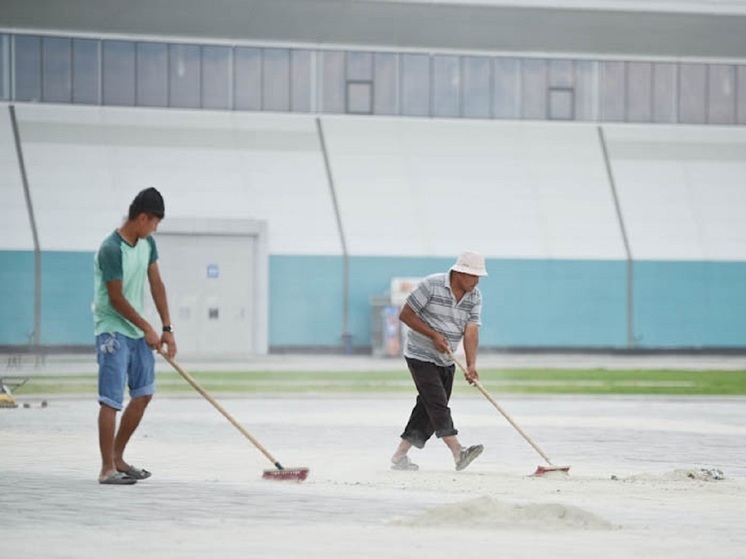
(89, 163)
(682, 190)
(435, 187)
(15, 226)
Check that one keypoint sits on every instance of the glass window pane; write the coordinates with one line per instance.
(534, 88)
(692, 93)
(721, 94)
(119, 73)
(665, 92)
(360, 66)
(561, 73)
(56, 62)
(184, 76)
(4, 66)
(300, 80)
(385, 84)
(612, 97)
(247, 80)
(507, 88)
(216, 77)
(639, 92)
(415, 84)
(27, 64)
(152, 74)
(586, 90)
(333, 81)
(446, 83)
(476, 83)
(276, 80)
(359, 97)
(86, 71)
(561, 103)
(741, 102)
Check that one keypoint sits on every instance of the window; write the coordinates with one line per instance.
(476, 87)
(612, 94)
(216, 77)
(639, 92)
(56, 61)
(276, 80)
(534, 88)
(507, 88)
(4, 67)
(741, 98)
(415, 84)
(359, 66)
(359, 75)
(385, 84)
(359, 97)
(586, 90)
(27, 63)
(665, 92)
(86, 71)
(692, 93)
(446, 85)
(152, 74)
(561, 103)
(247, 79)
(333, 82)
(561, 74)
(300, 80)
(184, 76)
(721, 94)
(118, 73)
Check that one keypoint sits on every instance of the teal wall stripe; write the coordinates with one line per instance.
(66, 297)
(527, 303)
(16, 297)
(555, 303)
(690, 304)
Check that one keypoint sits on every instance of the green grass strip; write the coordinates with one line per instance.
(497, 381)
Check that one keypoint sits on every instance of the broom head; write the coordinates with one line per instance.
(542, 470)
(286, 474)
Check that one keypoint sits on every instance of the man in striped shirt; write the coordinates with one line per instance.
(443, 309)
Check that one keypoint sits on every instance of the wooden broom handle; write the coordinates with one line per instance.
(218, 407)
(501, 410)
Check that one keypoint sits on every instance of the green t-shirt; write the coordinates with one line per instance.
(118, 260)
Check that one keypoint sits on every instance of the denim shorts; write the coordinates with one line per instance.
(122, 359)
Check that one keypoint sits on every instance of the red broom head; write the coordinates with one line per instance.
(543, 470)
(286, 474)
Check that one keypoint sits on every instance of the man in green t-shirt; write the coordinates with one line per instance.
(124, 339)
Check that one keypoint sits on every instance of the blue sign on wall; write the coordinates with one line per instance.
(213, 271)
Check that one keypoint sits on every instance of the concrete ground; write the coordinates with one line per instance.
(644, 478)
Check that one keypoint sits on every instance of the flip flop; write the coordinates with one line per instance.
(118, 478)
(136, 473)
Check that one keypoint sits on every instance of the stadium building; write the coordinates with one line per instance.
(318, 155)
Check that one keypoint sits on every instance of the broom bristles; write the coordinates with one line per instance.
(286, 474)
(541, 470)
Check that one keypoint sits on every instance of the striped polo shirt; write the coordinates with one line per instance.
(433, 301)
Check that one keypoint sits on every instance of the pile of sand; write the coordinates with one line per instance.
(487, 513)
(698, 474)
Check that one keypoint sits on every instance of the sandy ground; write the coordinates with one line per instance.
(642, 481)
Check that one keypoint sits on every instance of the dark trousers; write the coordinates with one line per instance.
(431, 413)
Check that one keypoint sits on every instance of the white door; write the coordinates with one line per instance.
(209, 283)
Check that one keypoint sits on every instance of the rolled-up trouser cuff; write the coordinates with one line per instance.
(446, 433)
(417, 442)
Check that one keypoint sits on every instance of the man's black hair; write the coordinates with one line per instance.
(148, 201)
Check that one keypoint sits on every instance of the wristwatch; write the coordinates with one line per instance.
(168, 329)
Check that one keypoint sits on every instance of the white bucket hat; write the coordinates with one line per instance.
(471, 263)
